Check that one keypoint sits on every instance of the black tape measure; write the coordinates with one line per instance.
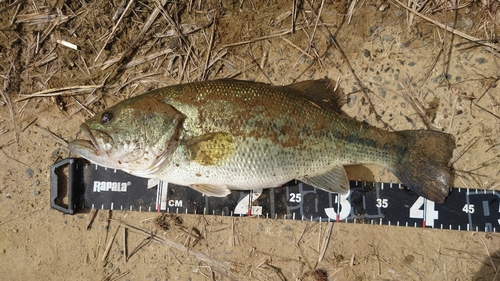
(77, 186)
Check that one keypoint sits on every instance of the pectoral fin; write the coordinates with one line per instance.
(334, 180)
(212, 190)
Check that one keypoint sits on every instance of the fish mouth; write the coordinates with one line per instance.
(91, 146)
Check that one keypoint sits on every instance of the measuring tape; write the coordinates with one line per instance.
(77, 185)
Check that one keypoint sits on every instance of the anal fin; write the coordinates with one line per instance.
(212, 190)
(334, 180)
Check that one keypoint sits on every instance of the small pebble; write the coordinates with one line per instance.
(480, 60)
(382, 92)
(351, 100)
(366, 53)
(388, 38)
(466, 23)
(36, 193)
(29, 172)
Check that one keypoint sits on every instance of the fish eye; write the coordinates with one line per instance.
(106, 117)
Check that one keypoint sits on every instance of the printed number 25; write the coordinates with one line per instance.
(295, 197)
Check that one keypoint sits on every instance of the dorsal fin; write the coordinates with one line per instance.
(322, 93)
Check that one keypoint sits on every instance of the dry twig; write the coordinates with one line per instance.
(449, 29)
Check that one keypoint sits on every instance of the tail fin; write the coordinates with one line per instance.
(426, 169)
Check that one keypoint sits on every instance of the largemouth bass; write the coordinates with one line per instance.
(224, 135)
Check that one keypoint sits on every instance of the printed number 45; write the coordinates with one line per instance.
(468, 208)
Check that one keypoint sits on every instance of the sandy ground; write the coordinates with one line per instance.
(415, 74)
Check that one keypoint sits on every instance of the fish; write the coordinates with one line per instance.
(222, 135)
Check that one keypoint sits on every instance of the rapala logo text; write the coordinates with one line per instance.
(111, 186)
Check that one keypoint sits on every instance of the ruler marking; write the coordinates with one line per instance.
(158, 197)
(377, 197)
(486, 209)
(271, 202)
(425, 213)
(249, 204)
(337, 212)
(469, 214)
